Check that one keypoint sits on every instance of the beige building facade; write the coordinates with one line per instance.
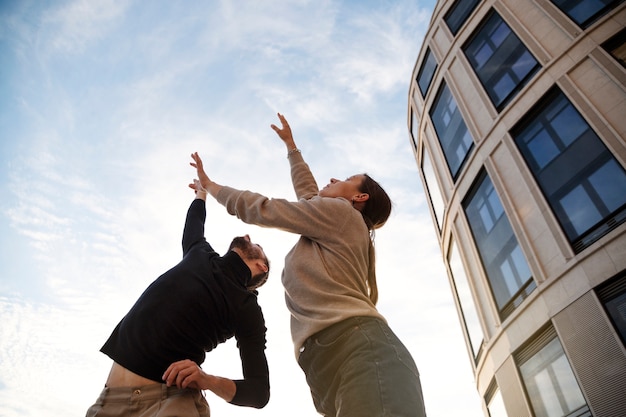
(517, 118)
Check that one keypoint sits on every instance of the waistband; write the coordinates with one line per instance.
(145, 392)
(335, 330)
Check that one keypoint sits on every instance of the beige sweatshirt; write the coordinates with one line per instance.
(325, 273)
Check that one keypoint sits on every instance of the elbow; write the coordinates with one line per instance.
(264, 398)
(261, 398)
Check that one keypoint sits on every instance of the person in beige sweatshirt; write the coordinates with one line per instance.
(354, 364)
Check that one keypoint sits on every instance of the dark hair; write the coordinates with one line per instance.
(258, 280)
(375, 212)
(252, 252)
(378, 206)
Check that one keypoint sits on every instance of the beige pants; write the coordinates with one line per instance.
(154, 400)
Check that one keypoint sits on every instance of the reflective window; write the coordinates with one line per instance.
(426, 72)
(505, 265)
(414, 129)
(613, 297)
(458, 14)
(495, 404)
(500, 60)
(466, 301)
(454, 138)
(432, 188)
(616, 46)
(583, 183)
(550, 383)
(585, 12)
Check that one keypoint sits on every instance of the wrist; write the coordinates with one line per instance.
(292, 150)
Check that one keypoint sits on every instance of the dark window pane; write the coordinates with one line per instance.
(425, 75)
(500, 60)
(613, 296)
(585, 12)
(454, 138)
(458, 14)
(582, 181)
(502, 257)
(616, 46)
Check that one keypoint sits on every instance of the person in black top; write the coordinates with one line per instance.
(158, 347)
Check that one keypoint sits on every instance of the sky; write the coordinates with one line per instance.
(101, 104)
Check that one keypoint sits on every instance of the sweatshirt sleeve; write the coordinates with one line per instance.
(304, 183)
(254, 389)
(193, 232)
(311, 216)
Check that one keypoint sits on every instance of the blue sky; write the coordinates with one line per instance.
(101, 104)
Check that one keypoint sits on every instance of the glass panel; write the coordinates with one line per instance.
(414, 129)
(500, 60)
(550, 382)
(496, 406)
(468, 307)
(454, 138)
(617, 310)
(585, 12)
(432, 188)
(616, 46)
(458, 14)
(584, 184)
(504, 262)
(425, 76)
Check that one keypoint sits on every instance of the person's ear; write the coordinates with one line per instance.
(360, 198)
(262, 266)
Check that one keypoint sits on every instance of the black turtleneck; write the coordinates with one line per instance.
(189, 310)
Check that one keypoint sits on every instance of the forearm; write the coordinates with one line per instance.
(222, 387)
(212, 188)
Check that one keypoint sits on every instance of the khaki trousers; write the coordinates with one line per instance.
(154, 400)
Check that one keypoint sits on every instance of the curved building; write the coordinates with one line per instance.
(517, 118)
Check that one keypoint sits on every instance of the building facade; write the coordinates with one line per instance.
(517, 118)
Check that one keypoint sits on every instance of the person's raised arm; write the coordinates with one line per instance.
(285, 134)
(196, 215)
(205, 182)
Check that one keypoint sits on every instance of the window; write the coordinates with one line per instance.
(458, 14)
(501, 255)
(432, 188)
(454, 138)
(414, 129)
(585, 12)
(426, 72)
(501, 61)
(616, 46)
(550, 383)
(612, 294)
(466, 301)
(581, 180)
(494, 402)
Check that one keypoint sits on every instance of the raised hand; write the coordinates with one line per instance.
(284, 133)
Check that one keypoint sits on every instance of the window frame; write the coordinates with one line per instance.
(590, 19)
(529, 350)
(524, 289)
(427, 65)
(461, 10)
(444, 133)
(507, 63)
(591, 141)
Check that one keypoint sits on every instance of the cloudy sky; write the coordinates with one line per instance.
(101, 104)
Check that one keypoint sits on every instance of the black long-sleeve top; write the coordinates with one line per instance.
(189, 310)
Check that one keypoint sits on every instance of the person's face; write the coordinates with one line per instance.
(348, 189)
